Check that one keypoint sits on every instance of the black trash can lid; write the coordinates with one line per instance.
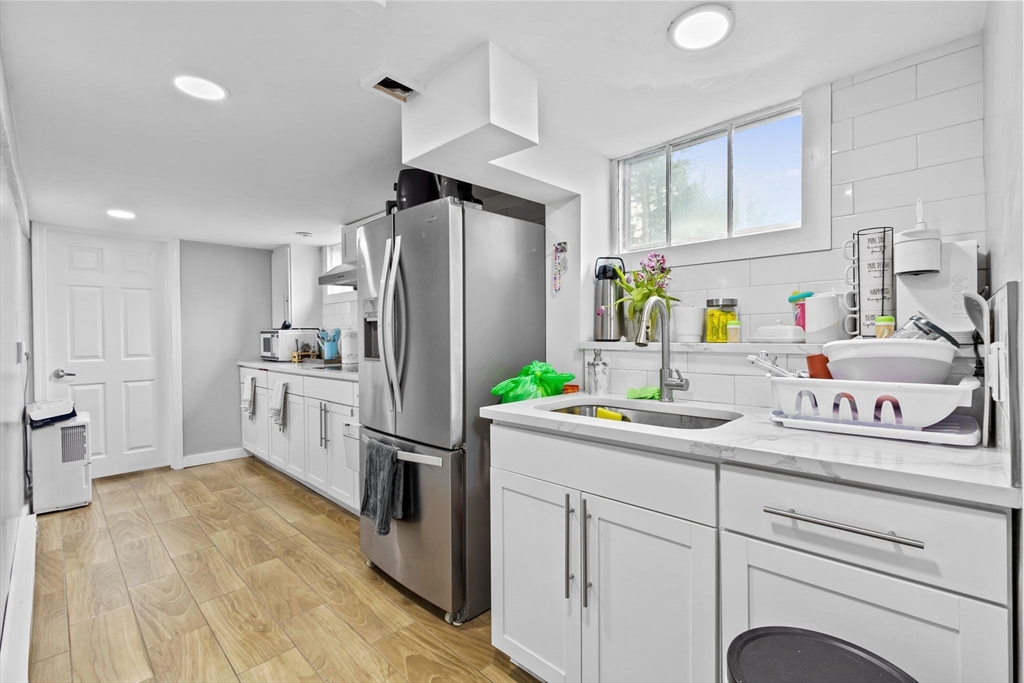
(780, 654)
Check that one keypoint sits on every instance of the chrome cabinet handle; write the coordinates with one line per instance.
(60, 374)
(327, 425)
(568, 576)
(586, 574)
(322, 425)
(431, 460)
(389, 337)
(891, 537)
(382, 323)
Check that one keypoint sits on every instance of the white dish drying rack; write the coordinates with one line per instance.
(892, 410)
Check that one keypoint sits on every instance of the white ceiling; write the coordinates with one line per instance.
(300, 145)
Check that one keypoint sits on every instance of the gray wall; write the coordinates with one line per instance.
(225, 302)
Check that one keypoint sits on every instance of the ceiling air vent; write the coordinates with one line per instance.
(386, 81)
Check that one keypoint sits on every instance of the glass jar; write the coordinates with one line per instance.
(733, 331)
(717, 316)
(885, 325)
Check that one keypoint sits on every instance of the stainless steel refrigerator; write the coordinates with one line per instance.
(451, 302)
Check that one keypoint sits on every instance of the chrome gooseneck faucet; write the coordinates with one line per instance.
(671, 380)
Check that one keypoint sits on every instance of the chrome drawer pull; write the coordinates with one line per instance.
(845, 527)
(568, 576)
(431, 460)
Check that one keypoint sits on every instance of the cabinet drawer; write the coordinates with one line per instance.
(333, 390)
(669, 484)
(261, 376)
(965, 550)
(294, 382)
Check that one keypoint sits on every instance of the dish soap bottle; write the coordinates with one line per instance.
(597, 375)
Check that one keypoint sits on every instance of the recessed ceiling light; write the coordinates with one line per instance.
(120, 213)
(701, 28)
(200, 87)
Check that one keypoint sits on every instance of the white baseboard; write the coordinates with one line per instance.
(18, 618)
(214, 456)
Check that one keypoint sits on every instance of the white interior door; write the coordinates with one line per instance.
(103, 319)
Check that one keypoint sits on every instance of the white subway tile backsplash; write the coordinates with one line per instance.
(825, 286)
(842, 199)
(754, 391)
(885, 91)
(842, 136)
(810, 266)
(711, 275)
(760, 299)
(951, 216)
(710, 388)
(952, 71)
(933, 53)
(722, 364)
(919, 116)
(950, 144)
(882, 159)
(624, 380)
(959, 179)
(693, 297)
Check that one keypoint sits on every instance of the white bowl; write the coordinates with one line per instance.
(914, 361)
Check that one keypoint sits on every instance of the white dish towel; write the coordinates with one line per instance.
(249, 395)
(277, 404)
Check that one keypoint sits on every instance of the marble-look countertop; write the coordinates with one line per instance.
(978, 476)
(306, 370)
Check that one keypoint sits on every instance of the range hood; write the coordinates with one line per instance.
(343, 275)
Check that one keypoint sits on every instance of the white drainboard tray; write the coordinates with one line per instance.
(875, 404)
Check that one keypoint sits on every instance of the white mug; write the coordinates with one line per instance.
(688, 323)
(821, 318)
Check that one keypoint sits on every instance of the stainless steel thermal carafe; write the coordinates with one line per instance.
(607, 314)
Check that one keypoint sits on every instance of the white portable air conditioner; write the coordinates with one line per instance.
(61, 465)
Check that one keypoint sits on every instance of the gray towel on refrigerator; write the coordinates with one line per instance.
(383, 486)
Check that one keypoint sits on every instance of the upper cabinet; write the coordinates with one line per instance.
(295, 292)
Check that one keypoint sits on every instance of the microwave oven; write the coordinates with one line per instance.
(278, 345)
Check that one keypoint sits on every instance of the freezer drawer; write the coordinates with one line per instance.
(423, 551)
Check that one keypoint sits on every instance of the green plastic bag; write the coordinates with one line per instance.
(536, 380)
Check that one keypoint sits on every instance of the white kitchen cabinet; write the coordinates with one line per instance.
(288, 444)
(535, 575)
(931, 634)
(650, 609)
(340, 476)
(295, 292)
(248, 432)
(641, 607)
(317, 456)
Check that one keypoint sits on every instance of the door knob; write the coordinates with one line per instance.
(60, 374)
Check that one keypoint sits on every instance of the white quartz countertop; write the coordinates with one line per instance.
(979, 476)
(306, 370)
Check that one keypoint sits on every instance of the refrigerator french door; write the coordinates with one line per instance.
(451, 302)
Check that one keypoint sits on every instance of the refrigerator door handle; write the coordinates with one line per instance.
(383, 326)
(390, 358)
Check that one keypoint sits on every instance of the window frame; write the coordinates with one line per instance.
(726, 128)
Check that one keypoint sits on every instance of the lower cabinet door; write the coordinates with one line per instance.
(930, 634)
(316, 449)
(290, 441)
(261, 423)
(340, 475)
(295, 428)
(535, 575)
(649, 612)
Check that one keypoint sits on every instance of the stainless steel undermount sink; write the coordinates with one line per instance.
(672, 420)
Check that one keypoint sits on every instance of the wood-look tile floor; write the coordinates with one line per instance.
(232, 572)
